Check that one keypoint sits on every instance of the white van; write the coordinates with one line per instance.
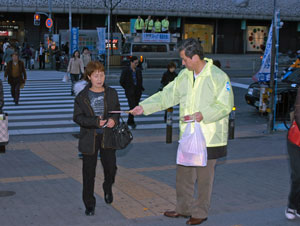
(151, 55)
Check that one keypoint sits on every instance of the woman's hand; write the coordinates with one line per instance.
(102, 122)
(110, 123)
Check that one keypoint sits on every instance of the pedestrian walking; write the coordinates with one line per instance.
(132, 81)
(91, 111)
(75, 67)
(15, 73)
(85, 56)
(204, 92)
(41, 56)
(7, 55)
(27, 55)
(168, 77)
(2, 147)
(293, 208)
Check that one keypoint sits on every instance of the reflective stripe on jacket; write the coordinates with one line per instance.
(210, 93)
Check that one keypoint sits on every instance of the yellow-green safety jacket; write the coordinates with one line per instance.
(148, 25)
(210, 93)
(139, 24)
(157, 26)
(165, 24)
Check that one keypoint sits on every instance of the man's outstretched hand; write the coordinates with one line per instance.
(138, 110)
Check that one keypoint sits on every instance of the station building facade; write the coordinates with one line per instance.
(231, 26)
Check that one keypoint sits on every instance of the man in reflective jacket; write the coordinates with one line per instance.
(204, 91)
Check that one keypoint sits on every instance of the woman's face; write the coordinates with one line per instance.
(172, 69)
(76, 54)
(97, 79)
(85, 51)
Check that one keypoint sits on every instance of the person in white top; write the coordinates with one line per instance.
(75, 67)
(85, 56)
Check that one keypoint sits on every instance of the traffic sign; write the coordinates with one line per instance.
(49, 23)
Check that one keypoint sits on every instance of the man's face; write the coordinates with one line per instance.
(14, 58)
(134, 64)
(188, 62)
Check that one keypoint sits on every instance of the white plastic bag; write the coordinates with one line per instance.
(192, 147)
(65, 78)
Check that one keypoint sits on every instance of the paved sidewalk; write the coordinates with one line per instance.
(251, 184)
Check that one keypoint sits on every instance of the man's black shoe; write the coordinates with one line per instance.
(90, 211)
(108, 197)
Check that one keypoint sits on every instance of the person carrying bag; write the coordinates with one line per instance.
(293, 147)
(4, 136)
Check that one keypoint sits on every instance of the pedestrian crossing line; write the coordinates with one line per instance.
(70, 121)
(46, 107)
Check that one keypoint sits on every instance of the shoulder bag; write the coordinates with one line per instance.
(4, 136)
(294, 134)
(122, 135)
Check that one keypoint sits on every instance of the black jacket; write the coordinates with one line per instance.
(1, 96)
(168, 77)
(85, 117)
(127, 83)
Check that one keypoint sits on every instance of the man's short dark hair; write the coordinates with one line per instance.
(191, 47)
(133, 58)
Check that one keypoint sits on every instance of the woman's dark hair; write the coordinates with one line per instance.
(171, 65)
(191, 47)
(73, 55)
(217, 63)
(133, 58)
(91, 67)
(84, 48)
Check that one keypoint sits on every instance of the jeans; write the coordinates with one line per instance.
(294, 196)
(108, 160)
(74, 79)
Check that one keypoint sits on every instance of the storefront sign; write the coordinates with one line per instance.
(3, 33)
(74, 39)
(101, 39)
(156, 37)
(263, 74)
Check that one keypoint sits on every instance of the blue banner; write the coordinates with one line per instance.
(263, 75)
(156, 37)
(101, 38)
(74, 39)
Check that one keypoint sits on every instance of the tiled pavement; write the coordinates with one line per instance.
(251, 184)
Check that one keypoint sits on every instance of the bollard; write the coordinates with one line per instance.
(169, 125)
(231, 124)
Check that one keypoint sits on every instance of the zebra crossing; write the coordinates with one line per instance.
(46, 107)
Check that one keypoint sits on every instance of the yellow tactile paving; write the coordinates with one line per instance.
(32, 178)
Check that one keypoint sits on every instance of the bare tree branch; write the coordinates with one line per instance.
(119, 1)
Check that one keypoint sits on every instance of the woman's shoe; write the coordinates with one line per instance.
(90, 211)
(108, 197)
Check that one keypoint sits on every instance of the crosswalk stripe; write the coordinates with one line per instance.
(46, 107)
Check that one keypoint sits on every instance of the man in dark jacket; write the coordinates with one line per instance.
(132, 81)
(16, 74)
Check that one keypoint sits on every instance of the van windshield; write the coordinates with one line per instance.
(126, 48)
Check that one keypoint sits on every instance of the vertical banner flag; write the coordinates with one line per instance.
(263, 75)
(101, 39)
(74, 39)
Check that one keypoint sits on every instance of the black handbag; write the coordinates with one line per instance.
(122, 135)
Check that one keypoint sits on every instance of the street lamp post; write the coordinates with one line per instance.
(273, 79)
